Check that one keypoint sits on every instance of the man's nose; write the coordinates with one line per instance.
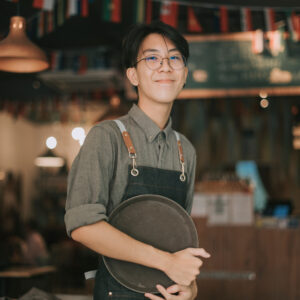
(165, 64)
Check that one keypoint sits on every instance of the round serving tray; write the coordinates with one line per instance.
(154, 220)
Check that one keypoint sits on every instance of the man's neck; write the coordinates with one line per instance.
(158, 113)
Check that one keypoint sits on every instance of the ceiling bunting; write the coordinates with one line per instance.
(116, 11)
(60, 12)
(85, 8)
(270, 19)
(112, 11)
(224, 25)
(246, 19)
(79, 61)
(71, 8)
(41, 24)
(139, 11)
(38, 4)
(237, 4)
(149, 11)
(294, 26)
(216, 20)
(48, 5)
(193, 23)
(169, 13)
(49, 21)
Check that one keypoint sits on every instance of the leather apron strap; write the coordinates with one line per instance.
(132, 152)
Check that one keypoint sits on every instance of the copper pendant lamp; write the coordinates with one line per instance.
(17, 53)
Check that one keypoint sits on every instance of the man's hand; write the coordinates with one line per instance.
(182, 292)
(184, 266)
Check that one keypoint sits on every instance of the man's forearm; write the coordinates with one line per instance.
(182, 266)
(109, 241)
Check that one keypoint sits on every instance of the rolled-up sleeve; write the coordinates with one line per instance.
(88, 181)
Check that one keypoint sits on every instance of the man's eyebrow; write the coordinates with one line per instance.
(150, 50)
(156, 50)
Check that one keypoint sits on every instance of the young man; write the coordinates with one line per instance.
(103, 175)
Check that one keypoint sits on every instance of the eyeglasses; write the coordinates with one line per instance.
(154, 62)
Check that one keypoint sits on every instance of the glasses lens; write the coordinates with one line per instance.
(177, 62)
(154, 62)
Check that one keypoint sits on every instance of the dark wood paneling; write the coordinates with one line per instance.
(273, 254)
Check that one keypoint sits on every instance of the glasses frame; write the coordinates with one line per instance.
(161, 61)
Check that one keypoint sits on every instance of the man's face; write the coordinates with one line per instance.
(163, 84)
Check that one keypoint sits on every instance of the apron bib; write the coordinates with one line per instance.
(141, 180)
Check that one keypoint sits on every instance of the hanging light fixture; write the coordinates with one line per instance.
(17, 53)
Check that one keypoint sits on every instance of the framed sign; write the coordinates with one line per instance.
(224, 65)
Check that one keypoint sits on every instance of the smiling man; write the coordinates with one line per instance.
(103, 175)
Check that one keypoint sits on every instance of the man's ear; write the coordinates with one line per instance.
(186, 71)
(132, 76)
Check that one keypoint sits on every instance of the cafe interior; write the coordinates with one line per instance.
(61, 74)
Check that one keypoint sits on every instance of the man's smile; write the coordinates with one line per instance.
(164, 81)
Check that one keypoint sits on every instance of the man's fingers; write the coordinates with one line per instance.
(173, 289)
(152, 297)
(199, 252)
(163, 291)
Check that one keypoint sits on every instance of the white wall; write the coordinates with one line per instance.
(22, 141)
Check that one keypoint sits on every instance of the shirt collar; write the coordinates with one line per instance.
(150, 129)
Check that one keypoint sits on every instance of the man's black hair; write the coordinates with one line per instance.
(135, 37)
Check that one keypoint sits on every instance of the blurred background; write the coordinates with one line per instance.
(240, 109)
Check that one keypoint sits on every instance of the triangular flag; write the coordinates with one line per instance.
(60, 12)
(72, 8)
(224, 19)
(38, 4)
(246, 19)
(139, 9)
(193, 23)
(270, 19)
(149, 12)
(49, 18)
(84, 8)
(292, 25)
(116, 11)
(296, 22)
(48, 5)
(169, 13)
(106, 10)
(41, 18)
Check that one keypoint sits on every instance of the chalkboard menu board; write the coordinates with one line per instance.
(221, 65)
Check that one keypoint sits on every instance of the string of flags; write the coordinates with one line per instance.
(54, 13)
(81, 60)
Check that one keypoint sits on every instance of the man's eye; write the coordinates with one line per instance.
(151, 58)
(175, 57)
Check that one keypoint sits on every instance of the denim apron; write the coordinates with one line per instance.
(141, 180)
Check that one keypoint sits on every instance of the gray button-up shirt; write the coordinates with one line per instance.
(99, 172)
